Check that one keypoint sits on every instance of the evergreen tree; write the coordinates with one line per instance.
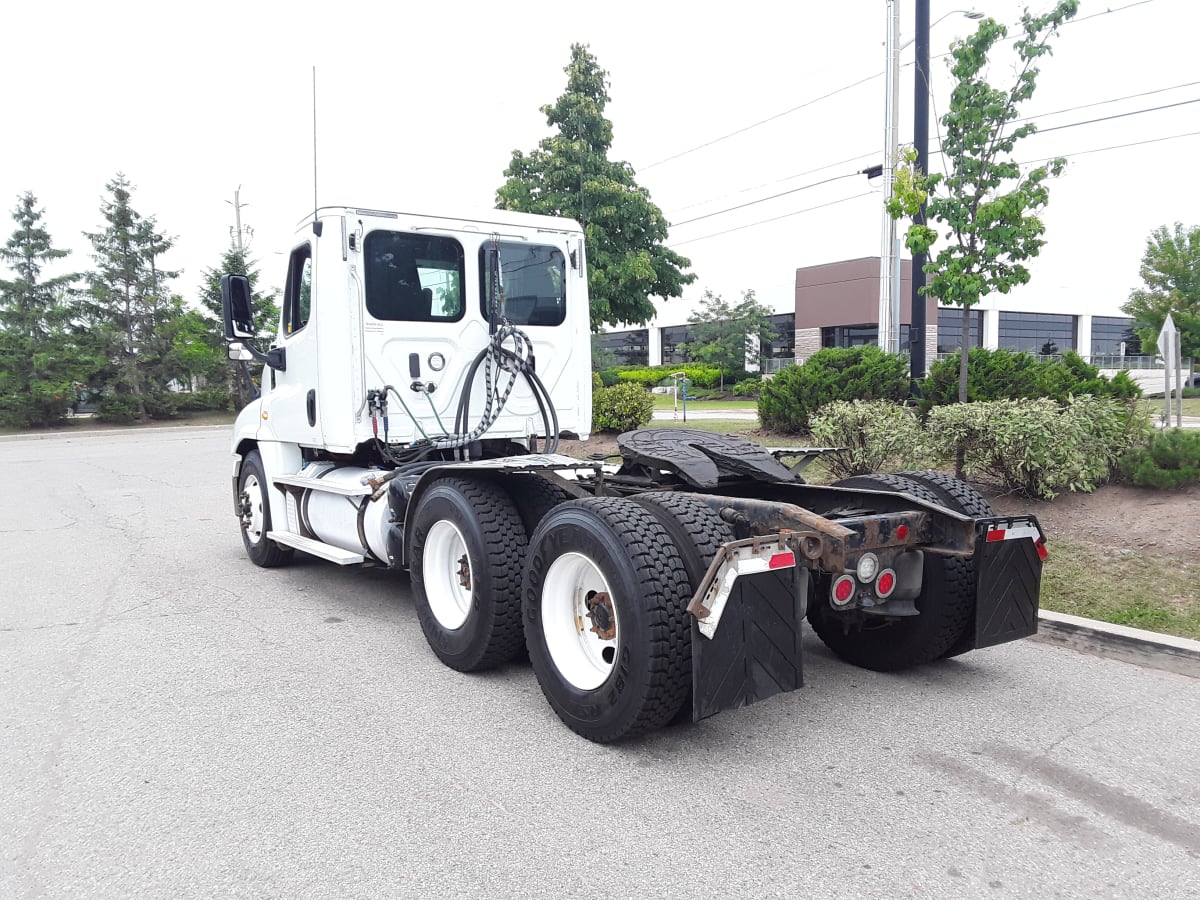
(570, 174)
(38, 364)
(236, 261)
(130, 308)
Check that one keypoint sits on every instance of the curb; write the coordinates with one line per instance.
(104, 432)
(1147, 649)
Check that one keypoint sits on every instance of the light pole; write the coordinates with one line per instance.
(889, 257)
(921, 88)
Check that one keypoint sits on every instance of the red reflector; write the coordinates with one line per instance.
(843, 589)
(782, 561)
(1041, 549)
(996, 534)
(902, 532)
(886, 582)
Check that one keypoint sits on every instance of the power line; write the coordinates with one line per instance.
(746, 190)
(803, 187)
(872, 153)
(933, 152)
(844, 88)
(1135, 112)
(786, 112)
(772, 219)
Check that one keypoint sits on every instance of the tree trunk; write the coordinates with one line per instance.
(963, 359)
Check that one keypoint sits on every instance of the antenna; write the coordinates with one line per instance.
(316, 223)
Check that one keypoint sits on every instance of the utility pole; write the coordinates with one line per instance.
(921, 143)
(889, 256)
(237, 231)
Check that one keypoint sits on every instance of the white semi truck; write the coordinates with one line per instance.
(413, 396)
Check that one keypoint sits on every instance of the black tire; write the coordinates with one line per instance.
(534, 496)
(639, 679)
(698, 533)
(256, 515)
(946, 603)
(963, 498)
(467, 553)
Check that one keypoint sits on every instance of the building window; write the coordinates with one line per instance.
(676, 339)
(949, 329)
(630, 348)
(783, 344)
(1110, 332)
(859, 336)
(1044, 334)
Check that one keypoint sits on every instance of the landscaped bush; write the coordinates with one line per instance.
(1012, 375)
(876, 434)
(621, 407)
(1170, 460)
(651, 376)
(1037, 447)
(748, 387)
(790, 398)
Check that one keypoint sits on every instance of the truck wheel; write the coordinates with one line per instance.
(946, 603)
(534, 496)
(963, 498)
(256, 515)
(605, 620)
(698, 533)
(468, 551)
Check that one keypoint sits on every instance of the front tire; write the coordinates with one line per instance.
(605, 620)
(946, 603)
(255, 515)
(468, 551)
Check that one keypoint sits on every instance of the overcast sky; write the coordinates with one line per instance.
(421, 104)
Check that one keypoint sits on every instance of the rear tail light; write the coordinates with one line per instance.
(843, 590)
(885, 584)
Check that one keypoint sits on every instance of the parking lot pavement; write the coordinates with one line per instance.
(177, 723)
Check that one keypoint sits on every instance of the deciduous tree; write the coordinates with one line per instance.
(1170, 271)
(986, 203)
(570, 174)
(727, 335)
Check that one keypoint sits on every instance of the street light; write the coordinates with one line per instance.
(889, 257)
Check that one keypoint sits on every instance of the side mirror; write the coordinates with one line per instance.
(235, 302)
(239, 352)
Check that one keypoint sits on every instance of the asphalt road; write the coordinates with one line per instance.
(177, 723)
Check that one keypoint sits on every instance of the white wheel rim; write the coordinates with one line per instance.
(448, 575)
(583, 655)
(253, 520)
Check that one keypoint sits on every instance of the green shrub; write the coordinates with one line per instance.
(1012, 375)
(790, 398)
(700, 376)
(119, 408)
(621, 407)
(1170, 460)
(1037, 447)
(597, 382)
(875, 434)
(204, 399)
(748, 387)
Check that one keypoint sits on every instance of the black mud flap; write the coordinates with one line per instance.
(1009, 578)
(755, 652)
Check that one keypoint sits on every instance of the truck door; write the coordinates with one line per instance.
(290, 405)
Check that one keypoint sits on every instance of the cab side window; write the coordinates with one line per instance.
(297, 295)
